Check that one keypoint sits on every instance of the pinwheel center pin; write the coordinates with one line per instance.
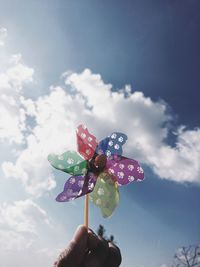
(98, 163)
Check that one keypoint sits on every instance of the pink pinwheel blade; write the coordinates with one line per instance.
(77, 186)
(86, 142)
(125, 170)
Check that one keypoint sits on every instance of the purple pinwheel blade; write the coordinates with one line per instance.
(124, 169)
(112, 145)
(77, 186)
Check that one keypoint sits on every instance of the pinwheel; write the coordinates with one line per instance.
(98, 169)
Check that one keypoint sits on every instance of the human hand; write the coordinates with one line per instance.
(89, 250)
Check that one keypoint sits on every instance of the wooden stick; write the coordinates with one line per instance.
(86, 210)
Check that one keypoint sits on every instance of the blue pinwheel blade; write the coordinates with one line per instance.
(112, 145)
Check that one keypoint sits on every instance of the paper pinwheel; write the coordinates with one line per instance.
(98, 170)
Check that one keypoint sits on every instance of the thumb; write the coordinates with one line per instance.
(74, 254)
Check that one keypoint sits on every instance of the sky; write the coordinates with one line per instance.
(129, 66)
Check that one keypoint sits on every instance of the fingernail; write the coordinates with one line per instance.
(90, 231)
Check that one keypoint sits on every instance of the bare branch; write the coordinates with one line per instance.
(187, 257)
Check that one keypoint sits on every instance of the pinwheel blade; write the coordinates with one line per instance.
(112, 145)
(70, 162)
(124, 169)
(77, 186)
(105, 194)
(86, 142)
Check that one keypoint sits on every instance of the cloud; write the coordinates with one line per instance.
(20, 223)
(147, 124)
(179, 163)
(27, 232)
(12, 116)
(3, 35)
(13, 241)
(54, 116)
(31, 168)
(87, 99)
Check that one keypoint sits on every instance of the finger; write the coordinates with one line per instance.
(114, 259)
(98, 256)
(93, 240)
(75, 252)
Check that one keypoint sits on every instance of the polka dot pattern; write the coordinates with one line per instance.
(70, 162)
(105, 194)
(125, 170)
(102, 187)
(112, 145)
(77, 186)
(86, 142)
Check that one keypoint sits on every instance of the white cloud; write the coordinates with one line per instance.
(12, 116)
(27, 232)
(31, 168)
(29, 256)
(3, 35)
(11, 240)
(19, 224)
(23, 216)
(182, 162)
(53, 132)
(147, 124)
(87, 99)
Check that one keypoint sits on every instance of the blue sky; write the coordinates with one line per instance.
(57, 58)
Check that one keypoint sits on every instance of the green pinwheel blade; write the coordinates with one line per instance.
(70, 162)
(105, 194)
